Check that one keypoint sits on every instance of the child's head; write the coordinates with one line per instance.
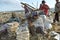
(57, 0)
(43, 2)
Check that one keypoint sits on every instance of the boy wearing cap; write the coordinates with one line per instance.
(38, 23)
(44, 7)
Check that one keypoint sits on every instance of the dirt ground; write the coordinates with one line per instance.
(56, 28)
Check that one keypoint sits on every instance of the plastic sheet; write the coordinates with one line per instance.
(54, 33)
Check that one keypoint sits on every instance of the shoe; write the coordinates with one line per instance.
(53, 23)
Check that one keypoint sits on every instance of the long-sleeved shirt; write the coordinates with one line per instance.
(57, 7)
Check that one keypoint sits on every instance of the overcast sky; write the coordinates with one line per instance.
(11, 5)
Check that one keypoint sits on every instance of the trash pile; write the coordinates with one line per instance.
(4, 17)
(33, 24)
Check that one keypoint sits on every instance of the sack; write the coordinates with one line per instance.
(47, 26)
(12, 28)
(22, 32)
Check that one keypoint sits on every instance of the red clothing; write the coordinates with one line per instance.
(45, 8)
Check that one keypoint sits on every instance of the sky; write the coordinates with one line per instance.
(11, 5)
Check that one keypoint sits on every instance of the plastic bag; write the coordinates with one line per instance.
(46, 21)
(12, 28)
(54, 33)
(47, 25)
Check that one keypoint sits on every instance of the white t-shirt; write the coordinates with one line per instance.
(39, 23)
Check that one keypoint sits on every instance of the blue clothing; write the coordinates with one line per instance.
(34, 13)
(14, 19)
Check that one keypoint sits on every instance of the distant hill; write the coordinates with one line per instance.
(51, 9)
(14, 11)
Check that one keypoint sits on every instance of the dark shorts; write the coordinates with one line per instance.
(32, 31)
(39, 30)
